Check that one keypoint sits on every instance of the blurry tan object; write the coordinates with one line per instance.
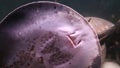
(110, 65)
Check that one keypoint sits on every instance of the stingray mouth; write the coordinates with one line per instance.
(74, 39)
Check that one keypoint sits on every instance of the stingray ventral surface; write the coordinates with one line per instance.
(47, 35)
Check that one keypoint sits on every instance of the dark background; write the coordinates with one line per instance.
(107, 9)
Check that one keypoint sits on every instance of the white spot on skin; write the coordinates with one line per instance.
(99, 31)
(106, 27)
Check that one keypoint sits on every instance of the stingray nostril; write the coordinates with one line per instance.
(79, 41)
(75, 39)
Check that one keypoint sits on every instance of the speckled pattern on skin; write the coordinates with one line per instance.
(47, 35)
